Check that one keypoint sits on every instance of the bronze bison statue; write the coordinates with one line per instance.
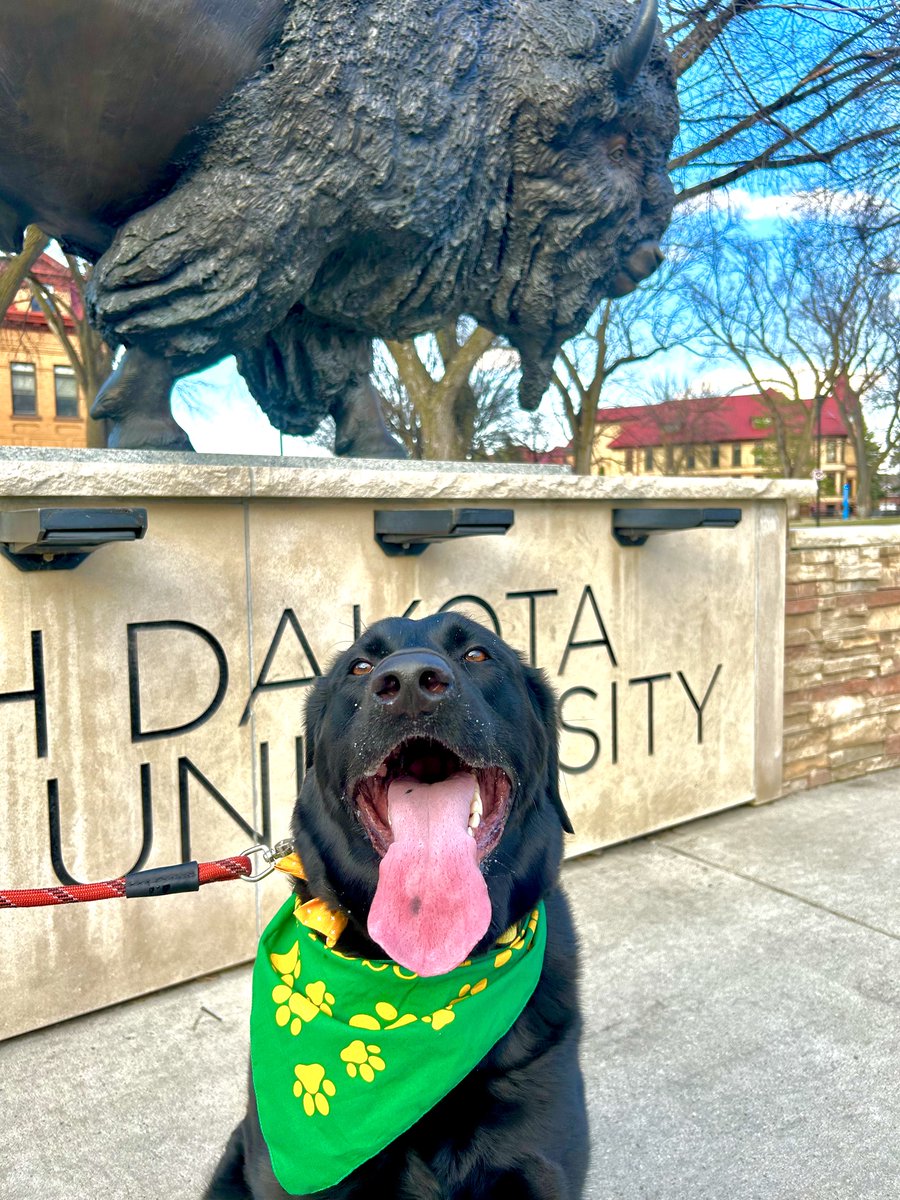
(286, 179)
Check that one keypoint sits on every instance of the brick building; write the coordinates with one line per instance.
(40, 404)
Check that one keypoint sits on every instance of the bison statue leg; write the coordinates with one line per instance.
(176, 280)
(136, 399)
(307, 369)
(183, 307)
(210, 270)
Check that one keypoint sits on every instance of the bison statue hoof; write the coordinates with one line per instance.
(135, 399)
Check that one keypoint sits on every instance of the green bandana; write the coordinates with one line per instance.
(348, 1053)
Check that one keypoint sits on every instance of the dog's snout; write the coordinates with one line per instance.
(411, 683)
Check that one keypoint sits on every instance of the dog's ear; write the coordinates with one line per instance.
(544, 703)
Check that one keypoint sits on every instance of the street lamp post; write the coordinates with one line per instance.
(818, 470)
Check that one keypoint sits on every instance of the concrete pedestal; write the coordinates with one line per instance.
(151, 700)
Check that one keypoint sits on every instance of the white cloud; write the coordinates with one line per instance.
(752, 206)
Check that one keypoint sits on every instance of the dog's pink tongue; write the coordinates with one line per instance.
(431, 905)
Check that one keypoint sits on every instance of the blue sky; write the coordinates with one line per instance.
(221, 417)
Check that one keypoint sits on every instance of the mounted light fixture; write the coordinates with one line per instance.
(411, 531)
(58, 539)
(632, 526)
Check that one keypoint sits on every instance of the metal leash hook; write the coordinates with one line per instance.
(270, 856)
(159, 881)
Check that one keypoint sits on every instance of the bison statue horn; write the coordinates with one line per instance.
(630, 55)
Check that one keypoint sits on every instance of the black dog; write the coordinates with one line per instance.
(430, 701)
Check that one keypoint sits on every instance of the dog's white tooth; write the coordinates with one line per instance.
(476, 806)
(470, 831)
(474, 820)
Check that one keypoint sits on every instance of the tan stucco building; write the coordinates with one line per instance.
(725, 436)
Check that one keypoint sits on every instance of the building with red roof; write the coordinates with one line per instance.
(724, 436)
(40, 404)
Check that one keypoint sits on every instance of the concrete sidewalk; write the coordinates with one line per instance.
(742, 998)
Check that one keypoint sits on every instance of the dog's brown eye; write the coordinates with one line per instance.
(476, 654)
(361, 667)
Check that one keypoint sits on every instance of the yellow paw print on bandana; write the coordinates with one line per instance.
(287, 965)
(363, 1060)
(513, 939)
(314, 1088)
(302, 1006)
(307, 1005)
(387, 1017)
(443, 1016)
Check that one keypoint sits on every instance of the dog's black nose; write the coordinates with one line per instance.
(411, 683)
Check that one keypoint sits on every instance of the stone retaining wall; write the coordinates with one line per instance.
(842, 654)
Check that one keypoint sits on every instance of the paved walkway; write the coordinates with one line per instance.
(742, 992)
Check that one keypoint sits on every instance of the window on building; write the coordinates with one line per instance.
(736, 454)
(629, 462)
(757, 456)
(713, 456)
(831, 451)
(66, 388)
(690, 459)
(24, 389)
(670, 460)
(648, 459)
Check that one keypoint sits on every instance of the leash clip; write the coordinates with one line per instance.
(270, 856)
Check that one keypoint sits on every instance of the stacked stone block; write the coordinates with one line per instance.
(842, 654)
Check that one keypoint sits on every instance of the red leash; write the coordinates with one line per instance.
(161, 881)
(164, 881)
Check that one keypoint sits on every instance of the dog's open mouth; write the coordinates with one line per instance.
(428, 765)
(432, 818)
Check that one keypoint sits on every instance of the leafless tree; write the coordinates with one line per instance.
(785, 85)
(478, 420)
(440, 390)
(884, 397)
(804, 312)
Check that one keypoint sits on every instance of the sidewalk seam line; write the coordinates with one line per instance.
(773, 887)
